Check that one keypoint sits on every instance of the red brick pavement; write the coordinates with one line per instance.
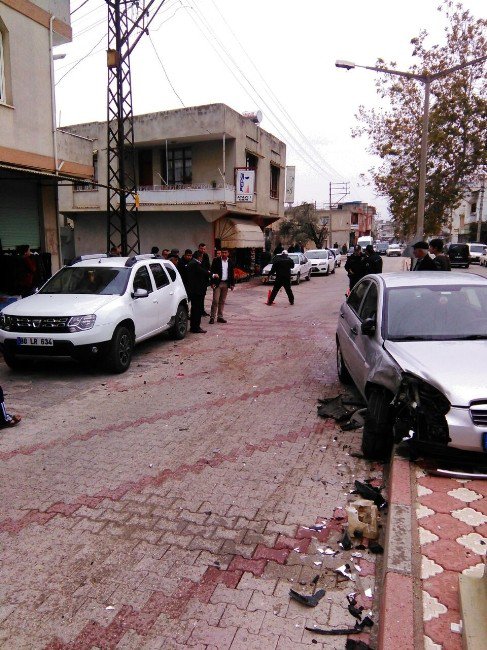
(171, 506)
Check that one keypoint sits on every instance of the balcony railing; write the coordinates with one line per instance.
(193, 194)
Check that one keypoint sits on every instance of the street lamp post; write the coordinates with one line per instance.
(425, 79)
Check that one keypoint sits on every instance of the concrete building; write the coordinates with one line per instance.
(464, 220)
(187, 162)
(33, 153)
(384, 230)
(348, 221)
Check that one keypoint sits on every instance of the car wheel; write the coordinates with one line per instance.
(308, 277)
(12, 360)
(180, 327)
(119, 354)
(343, 374)
(298, 279)
(377, 437)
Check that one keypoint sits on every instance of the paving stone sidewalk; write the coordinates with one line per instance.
(175, 505)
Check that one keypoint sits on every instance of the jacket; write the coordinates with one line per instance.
(426, 263)
(196, 278)
(216, 268)
(281, 267)
(373, 263)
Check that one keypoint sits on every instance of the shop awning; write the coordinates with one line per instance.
(238, 233)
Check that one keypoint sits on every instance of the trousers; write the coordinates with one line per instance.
(282, 282)
(197, 309)
(219, 296)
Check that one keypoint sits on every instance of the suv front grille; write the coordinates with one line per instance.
(41, 325)
(478, 413)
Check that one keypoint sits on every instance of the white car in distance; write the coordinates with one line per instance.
(322, 261)
(97, 308)
(301, 269)
(394, 250)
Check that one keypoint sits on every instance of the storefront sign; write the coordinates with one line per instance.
(244, 185)
(290, 176)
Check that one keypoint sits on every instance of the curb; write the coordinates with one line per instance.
(397, 627)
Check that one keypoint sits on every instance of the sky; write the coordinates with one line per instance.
(280, 59)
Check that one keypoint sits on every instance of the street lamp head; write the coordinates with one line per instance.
(348, 65)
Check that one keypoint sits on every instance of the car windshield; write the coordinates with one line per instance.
(295, 258)
(316, 255)
(90, 280)
(436, 313)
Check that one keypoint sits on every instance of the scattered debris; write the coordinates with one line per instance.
(376, 548)
(371, 493)
(345, 541)
(352, 607)
(356, 421)
(362, 519)
(309, 601)
(359, 626)
(345, 570)
(353, 644)
(333, 407)
(456, 627)
(368, 593)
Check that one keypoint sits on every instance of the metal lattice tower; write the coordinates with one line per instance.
(122, 217)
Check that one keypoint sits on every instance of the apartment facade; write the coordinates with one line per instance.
(190, 166)
(465, 219)
(347, 222)
(33, 154)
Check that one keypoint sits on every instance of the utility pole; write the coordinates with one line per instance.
(128, 21)
(480, 209)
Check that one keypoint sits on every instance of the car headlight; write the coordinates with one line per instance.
(81, 323)
(4, 322)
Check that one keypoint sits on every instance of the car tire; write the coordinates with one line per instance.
(377, 437)
(12, 360)
(179, 329)
(343, 374)
(298, 279)
(308, 277)
(119, 353)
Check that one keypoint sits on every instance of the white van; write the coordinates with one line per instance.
(365, 241)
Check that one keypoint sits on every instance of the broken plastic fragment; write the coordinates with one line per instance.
(368, 593)
(371, 493)
(362, 519)
(345, 570)
(375, 547)
(109, 607)
(309, 601)
(345, 542)
(456, 627)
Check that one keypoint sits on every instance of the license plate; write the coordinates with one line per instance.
(34, 340)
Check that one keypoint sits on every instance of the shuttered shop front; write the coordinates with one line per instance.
(19, 213)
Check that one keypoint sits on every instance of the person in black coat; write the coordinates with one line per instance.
(423, 261)
(355, 266)
(205, 263)
(197, 283)
(372, 260)
(222, 279)
(281, 268)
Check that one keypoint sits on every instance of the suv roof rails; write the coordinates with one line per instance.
(137, 258)
(82, 258)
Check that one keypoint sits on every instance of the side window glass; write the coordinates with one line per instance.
(142, 279)
(355, 298)
(160, 278)
(171, 271)
(369, 305)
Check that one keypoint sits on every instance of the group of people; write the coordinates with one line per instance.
(424, 261)
(361, 263)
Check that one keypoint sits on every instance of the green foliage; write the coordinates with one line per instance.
(457, 126)
(302, 224)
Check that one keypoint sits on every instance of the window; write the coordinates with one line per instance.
(171, 271)
(369, 305)
(142, 279)
(160, 278)
(251, 161)
(275, 174)
(355, 298)
(4, 68)
(178, 168)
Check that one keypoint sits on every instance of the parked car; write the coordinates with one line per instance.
(97, 308)
(459, 255)
(407, 341)
(381, 247)
(483, 259)
(301, 269)
(475, 251)
(394, 250)
(323, 261)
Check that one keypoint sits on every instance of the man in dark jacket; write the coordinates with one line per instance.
(372, 260)
(442, 261)
(423, 261)
(205, 263)
(355, 267)
(183, 266)
(222, 279)
(281, 268)
(197, 284)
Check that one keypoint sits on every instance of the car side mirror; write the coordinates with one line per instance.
(140, 293)
(368, 326)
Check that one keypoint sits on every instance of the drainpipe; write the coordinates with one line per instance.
(54, 138)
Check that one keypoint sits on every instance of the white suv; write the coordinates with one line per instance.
(97, 308)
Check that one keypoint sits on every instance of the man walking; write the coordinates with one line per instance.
(197, 284)
(281, 268)
(222, 279)
(423, 261)
(372, 260)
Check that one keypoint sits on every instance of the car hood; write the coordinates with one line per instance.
(454, 367)
(318, 260)
(49, 304)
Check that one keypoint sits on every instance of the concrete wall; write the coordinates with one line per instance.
(165, 230)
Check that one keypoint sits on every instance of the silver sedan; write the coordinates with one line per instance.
(415, 345)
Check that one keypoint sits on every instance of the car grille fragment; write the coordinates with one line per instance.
(41, 325)
(478, 413)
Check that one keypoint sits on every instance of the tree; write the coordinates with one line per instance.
(457, 127)
(302, 224)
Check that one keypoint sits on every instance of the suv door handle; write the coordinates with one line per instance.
(354, 330)
(171, 293)
(342, 315)
(155, 301)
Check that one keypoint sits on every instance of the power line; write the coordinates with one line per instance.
(164, 70)
(78, 8)
(80, 60)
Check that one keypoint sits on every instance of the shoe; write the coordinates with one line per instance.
(14, 419)
(269, 303)
(292, 303)
(220, 319)
(211, 321)
(198, 331)
(205, 313)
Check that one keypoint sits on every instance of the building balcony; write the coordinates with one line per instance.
(187, 194)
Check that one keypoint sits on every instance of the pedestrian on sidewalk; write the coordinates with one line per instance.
(441, 260)
(6, 420)
(281, 268)
(197, 283)
(222, 279)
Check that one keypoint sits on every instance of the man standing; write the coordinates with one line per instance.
(372, 261)
(222, 279)
(183, 267)
(281, 268)
(205, 263)
(423, 261)
(197, 284)
(355, 267)
(165, 253)
(441, 260)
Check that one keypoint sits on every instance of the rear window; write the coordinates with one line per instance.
(477, 248)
